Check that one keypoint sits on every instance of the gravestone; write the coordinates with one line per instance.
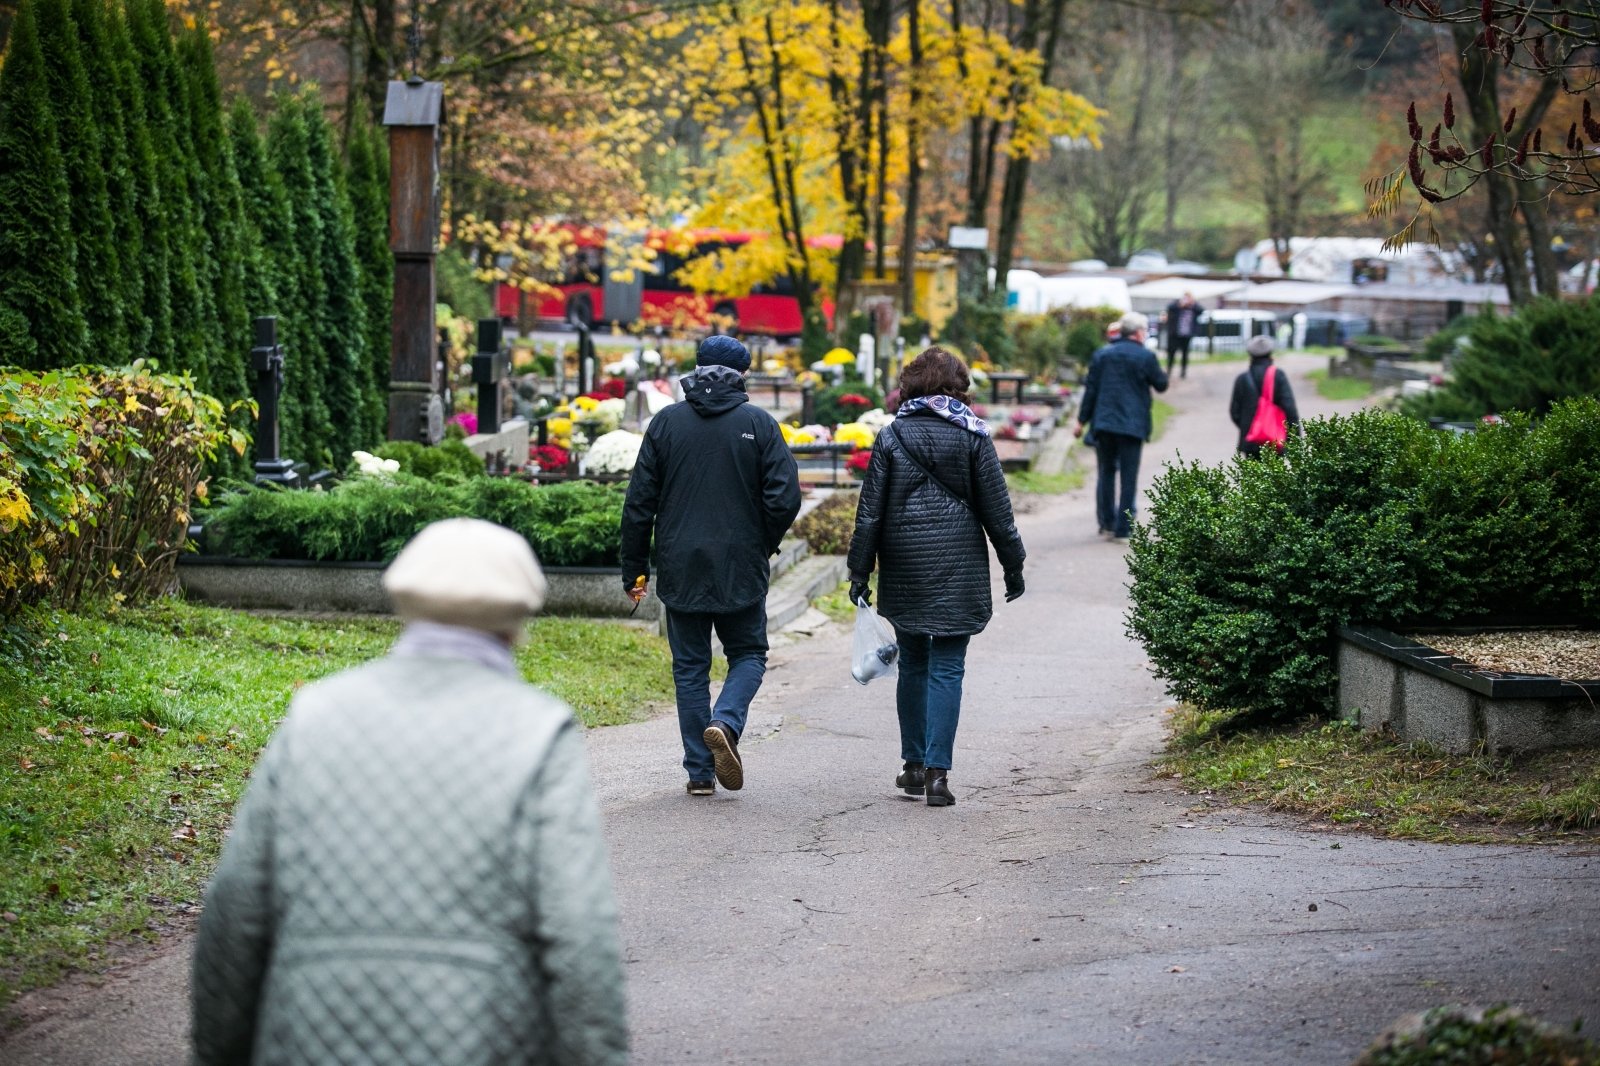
(414, 115)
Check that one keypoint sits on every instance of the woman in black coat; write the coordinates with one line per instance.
(933, 492)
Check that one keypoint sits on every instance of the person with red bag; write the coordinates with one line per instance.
(1263, 403)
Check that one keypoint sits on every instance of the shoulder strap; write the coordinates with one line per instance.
(929, 474)
(1267, 383)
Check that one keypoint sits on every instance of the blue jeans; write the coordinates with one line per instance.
(928, 696)
(744, 641)
(1118, 454)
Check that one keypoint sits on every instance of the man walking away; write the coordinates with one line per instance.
(717, 487)
(1247, 393)
(1183, 322)
(1117, 399)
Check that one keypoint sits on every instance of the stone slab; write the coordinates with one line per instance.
(1368, 687)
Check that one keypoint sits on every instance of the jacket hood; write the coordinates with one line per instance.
(713, 390)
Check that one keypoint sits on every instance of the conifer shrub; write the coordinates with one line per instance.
(450, 459)
(1521, 362)
(1244, 571)
(369, 519)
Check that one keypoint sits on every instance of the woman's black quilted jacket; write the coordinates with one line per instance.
(928, 540)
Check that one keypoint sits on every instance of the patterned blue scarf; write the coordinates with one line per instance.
(948, 408)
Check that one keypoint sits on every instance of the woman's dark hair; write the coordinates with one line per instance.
(935, 372)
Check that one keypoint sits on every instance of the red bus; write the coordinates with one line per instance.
(587, 293)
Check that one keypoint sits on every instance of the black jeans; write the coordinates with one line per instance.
(1175, 347)
(1118, 453)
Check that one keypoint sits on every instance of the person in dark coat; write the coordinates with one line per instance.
(1183, 322)
(932, 493)
(1247, 393)
(717, 488)
(1117, 399)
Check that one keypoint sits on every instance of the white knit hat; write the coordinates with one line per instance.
(466, 572)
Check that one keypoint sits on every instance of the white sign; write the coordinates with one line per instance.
(969, 237)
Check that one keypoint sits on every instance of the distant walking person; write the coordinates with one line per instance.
(717, 488)
(416, 873)
(932, 493)
(1183, 322)
(1247, 390)
(1117, 400)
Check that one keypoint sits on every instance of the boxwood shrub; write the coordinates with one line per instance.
(1244, 571)
(364, 519)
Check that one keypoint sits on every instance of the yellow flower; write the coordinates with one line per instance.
(854, 433)
(558, 427)
(585, 403)
(839, 357)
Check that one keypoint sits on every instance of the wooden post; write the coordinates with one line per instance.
(414, 113)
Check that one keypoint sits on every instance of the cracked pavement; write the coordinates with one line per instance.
(1067, 909)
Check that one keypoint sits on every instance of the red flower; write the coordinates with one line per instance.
(854, 399)
(549, 456)
(858, 460)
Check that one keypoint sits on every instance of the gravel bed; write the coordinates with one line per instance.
(1570, 654)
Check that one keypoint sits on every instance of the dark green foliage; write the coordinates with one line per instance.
(830, 412)
(830, 525)
(1443, 344)
(1086, 333)
(192, 345)
(449, 460)
(301, 284)
(815, 341)
(1498, 1036)
(41, 315)
(347, 383)
(369, 519)
(368, 155)
(459, 287)
(93, 231)
(1548, 350)
(1244, 571)
(979, 328)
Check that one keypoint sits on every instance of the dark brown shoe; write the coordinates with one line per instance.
(938, 787)
(725, 753)
(702, 788)
(912, 780)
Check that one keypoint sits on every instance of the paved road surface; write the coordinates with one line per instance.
(1068, 909)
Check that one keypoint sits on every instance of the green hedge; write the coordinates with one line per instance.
(1244, 571)
(1522, 362)
(366, 519)
(828, 411)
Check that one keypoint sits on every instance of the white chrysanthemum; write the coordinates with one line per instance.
(614, 453)
(876, 418)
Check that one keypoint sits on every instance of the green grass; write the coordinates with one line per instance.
(1160, 411)
(1334, 772)
(126, 738)
(1330, 388)
(1034, 483)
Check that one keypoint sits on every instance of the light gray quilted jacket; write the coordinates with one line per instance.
(416, 875)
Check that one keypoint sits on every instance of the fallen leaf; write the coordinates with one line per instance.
(43, 731)
(1186, 825)
(94, 657)
(26, 763)
(1175, 969)
(9, 916)
(44, 701)
(185, 832)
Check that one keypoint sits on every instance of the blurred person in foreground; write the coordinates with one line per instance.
(715, 488)
(416, 873)
(1117, 400)
(932, 493)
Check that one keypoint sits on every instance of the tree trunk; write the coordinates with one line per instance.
(1480, 89)
(380, 55)
(908, 227)
(1015, 190)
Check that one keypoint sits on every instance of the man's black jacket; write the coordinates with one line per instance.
(717, 486)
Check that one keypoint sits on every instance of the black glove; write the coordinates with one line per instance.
(1015, 586)
(860, 594)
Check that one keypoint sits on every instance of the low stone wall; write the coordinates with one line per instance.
(310, 586)
(1421, 694)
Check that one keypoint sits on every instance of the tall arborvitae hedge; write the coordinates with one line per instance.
(41, 312)
(139, 220)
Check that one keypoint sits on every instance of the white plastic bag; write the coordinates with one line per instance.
(873, 652)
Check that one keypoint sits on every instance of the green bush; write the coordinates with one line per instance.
(366, 519)
(97, 469)
(450, 459)
(1244, 571)
(1041, 342)
(830, 525)
(830, 412)
(1522, 362)
(1498, 1036)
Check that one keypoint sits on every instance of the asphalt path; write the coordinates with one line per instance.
(1068, 909)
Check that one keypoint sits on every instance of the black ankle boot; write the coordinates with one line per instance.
(938, 787)
(911, 780)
